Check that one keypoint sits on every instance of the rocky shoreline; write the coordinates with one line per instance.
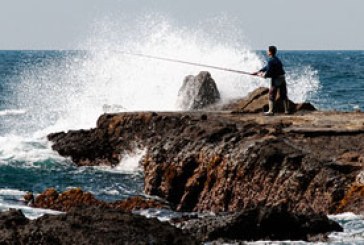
(265, 177)
(218, 161)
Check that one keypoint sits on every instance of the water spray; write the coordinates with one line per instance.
(185, 62)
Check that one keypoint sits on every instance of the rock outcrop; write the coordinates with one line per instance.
(262, 223)
(257, 101)
(229, 162)
(229, 169)
(88, 226)
(65, 201)
(198, 92)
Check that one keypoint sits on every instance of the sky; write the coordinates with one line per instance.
(289, 24)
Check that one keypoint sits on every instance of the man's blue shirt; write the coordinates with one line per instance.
(274, 68)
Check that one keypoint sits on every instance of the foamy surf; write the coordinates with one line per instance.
(29, 212)
(17, 149)
(13, 199)
(129, 164)
(10, 112)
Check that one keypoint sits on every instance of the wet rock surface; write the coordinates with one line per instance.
(261, 223)
(91, 225)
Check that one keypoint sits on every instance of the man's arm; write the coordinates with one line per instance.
(258, 73)
(268, 69)
(261, 71)
(265, 68)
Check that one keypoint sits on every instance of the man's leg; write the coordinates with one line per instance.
(283, 94)
(272, 97)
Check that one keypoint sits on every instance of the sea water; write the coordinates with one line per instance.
(49, 91)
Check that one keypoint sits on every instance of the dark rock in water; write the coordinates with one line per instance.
(89, 226)
(86, 148)
(51, 199)
(262, 223)
(257, 101)
(197, 92)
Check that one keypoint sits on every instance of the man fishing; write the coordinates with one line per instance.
(274, 70)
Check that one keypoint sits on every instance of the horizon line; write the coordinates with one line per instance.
(119, 50)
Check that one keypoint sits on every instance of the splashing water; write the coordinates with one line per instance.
(71, 92)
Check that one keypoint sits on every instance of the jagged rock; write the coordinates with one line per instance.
(92, 225)
(216, 161)
(262, 223)
(257, 101)
(353, 200)
(85, 146)
(65, 201)
(351, 156)
(197, 92)
(237, 174)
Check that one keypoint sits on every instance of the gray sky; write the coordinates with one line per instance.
(290, 24)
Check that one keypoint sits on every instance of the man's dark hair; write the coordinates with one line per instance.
(273, 50)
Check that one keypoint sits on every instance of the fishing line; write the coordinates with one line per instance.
(185, 62)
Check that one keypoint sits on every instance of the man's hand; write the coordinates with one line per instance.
(258, 73)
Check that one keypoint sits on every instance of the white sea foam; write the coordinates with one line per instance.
(12, 192)
(27, 150)
(13, 198)
(111, 192)
(10, 197)
(30, 213)
(302, 83)
(11, 112)
(129, 164)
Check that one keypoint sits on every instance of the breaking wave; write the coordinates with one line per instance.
(71, 91)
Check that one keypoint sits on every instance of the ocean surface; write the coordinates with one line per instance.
(50, 91)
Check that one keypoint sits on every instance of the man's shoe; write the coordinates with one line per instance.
(269, 113)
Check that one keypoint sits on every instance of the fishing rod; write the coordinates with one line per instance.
(186, 62)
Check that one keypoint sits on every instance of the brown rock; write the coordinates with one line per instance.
(29, 198)
(66, 200)
(350, 157)
(270, 172)
(257, 101)
(353, 200)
